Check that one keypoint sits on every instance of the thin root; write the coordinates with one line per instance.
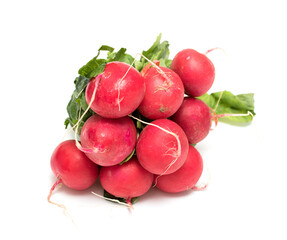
(216, 48)
(169, 132)
(58, 181)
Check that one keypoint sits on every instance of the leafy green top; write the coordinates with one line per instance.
(227, 103)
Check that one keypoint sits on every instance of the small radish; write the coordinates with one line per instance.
(119, 91)
(184, 178)
(195, 118)
(196, 71)
(162, 147)
(164, 93)
(107, 141)
(127, 180)
(72, 168)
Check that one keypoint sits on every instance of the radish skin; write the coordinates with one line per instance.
(108, 142)
(119, 92)
(195, 118)
(162, 151)
(164, 93)
(127, 180)
(72, 167)
(196, 71)
(184, 178)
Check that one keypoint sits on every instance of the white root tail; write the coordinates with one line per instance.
(216, 48)
(65, 211)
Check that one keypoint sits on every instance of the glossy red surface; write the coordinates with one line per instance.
(73, 166)
(157, 150)
(184, 178)
(164, 93)
(195, 119)
(195, 70)
(127, 180)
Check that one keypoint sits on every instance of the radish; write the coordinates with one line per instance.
(118, 92)
(72, 168)
(164, 93)
(106, 141)
(127, 180)
(195, 118)
(196, 71)
(162, 147)
(184, 178)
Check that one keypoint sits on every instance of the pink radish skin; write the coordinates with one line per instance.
(127, 180)
(108, 141)
(119, 92)
(184, 178)
(164, 93)
(194, 117)
(196, 71)
(72, 167)
(157, 151)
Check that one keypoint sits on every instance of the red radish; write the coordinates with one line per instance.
(195, 70)
(119, 91)
(107, 141)
(184, 178)
(162, 147)
(127, 180)
(72, 168)
(164, 93)
(194, 117)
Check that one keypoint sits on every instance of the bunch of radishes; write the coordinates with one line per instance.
(142, 125)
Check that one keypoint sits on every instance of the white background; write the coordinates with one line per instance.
(44, 43)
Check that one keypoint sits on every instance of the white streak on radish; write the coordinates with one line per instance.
(160, 71)
(169, 132)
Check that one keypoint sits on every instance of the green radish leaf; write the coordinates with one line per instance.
(98, 69)
(77, 104)
(120, 56)
(158, 51)
(225, 103)
(105, 48)
(81, 82)
(90, 69)
(165, 63)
